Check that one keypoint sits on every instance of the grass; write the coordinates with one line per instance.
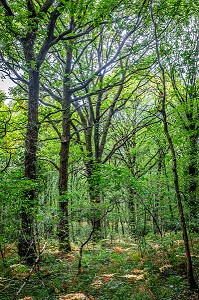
(117, 271)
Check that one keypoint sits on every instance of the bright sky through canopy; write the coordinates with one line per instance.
(5, 84)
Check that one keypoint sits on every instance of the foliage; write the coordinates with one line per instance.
(111, 76)
(115, 270)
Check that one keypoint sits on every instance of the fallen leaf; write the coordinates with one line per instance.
(78, 296)
(65, 285)
(97, 283)
(107, 277)
(3, 278)
(71, 258)
(133, 277)
(119, 249)
(138, 271)
(165, 267)
(156, 246)
(103, 268)
(179, 242)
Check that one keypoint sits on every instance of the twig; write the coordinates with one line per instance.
(31, 271)
(81, 249)
(88, 239)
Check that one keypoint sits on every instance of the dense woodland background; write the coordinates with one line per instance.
(99, 137)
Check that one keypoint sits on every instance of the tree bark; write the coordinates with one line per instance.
(26, 245)
(132, 211)
(63, 226)
(31, 18)
(158, 195)
(192, 185)
(190, 275)
(93, 178)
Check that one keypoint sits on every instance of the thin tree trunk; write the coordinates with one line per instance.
(190, 276)
(158, 195)
(63, 226)
(193, 180)
(132, 212)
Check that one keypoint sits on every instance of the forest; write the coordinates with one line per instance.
(99, 138)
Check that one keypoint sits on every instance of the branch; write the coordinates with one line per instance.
(97, 72)
(31, 8)
(122, 141)
(50, 161)
(31, 270)
(49, 104)
(6, 123)
(151, 213)
(54, 127)
(7, 8)
(72, 37)
(139, 174)
(7, 164)
(10, 68)
(81, 249)
(52, 94)
(50, 35)
(46, 6)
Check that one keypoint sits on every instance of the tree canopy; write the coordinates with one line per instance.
(99, 135)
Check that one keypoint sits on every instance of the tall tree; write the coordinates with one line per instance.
(104, 97)
(190, 275)
(31, 27)
(183, 72)
(90, 85)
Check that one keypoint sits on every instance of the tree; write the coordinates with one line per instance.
(190, 275)
(103, 98)
(85, 84)
(183, 74)
(40, 23)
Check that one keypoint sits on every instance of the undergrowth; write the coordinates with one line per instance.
(150, 269)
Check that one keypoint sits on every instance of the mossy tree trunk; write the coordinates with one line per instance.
(63, 226)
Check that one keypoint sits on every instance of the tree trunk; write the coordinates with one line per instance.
(132, 212)
(158, 195)
(26, 245)
(190, 275)
(95, 198)
(63, 226)
(193, 181)
(31, 17)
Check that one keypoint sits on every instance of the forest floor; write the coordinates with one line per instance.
(152, 268)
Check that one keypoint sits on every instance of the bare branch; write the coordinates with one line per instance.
(8, 10)
(31, 270)
(7, 164)
(46, 6)
(50, 161)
